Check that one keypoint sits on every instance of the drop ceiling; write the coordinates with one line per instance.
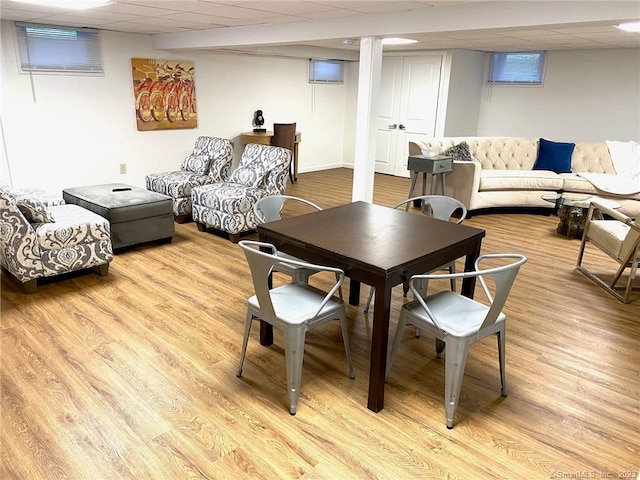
(168, 19)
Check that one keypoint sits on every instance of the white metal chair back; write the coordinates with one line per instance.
(438, 206)
(263, 263)
(269, 209)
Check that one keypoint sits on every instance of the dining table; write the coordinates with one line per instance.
(379, 246)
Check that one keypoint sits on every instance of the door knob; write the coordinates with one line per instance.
(393, 126)
(401, 127)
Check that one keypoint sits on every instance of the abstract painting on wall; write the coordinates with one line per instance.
(164, 93)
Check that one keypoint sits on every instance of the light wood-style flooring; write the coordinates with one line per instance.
(132, 376)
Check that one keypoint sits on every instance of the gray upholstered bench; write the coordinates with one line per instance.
(136, 215)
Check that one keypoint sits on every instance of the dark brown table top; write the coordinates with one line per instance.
(363, 238)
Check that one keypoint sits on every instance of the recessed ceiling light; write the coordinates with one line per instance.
(397, 41)
(629, 27)
(70, 4)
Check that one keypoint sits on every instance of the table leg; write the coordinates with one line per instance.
(444, 183)
(379, 340)
(469, 284)
(354, 292)
(266, 334)
(433, 184)
(573, 219)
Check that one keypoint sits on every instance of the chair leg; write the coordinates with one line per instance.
(347, 349)
(583, 243)
(245, 341)
(611, 287)
(455, 362)
(340, 289)
(501, 355)
(422, 287)
(366, 307)
(30, 286)
(234, 237)
(402, 324)
(294, 356)
(103, 270)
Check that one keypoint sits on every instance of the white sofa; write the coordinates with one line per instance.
(501, 173)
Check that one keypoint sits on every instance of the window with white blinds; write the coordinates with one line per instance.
(519, 68)
(53, 49)
(326, 71)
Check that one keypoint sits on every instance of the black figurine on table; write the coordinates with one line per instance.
(258, 121)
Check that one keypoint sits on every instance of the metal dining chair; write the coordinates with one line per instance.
(436, 206)
(459, 321)
(294, 308)
(269, 209)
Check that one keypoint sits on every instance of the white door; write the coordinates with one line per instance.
(407, 108)
(388, 114)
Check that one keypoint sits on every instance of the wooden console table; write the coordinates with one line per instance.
(264, 138)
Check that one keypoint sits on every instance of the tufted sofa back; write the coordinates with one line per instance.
(520, 153)
(592, 157)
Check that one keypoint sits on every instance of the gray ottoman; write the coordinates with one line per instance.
(136, 215)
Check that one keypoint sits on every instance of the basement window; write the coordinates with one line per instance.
(53, 49)
(520, 68)
(326, 71)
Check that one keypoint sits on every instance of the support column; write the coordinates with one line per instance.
(366, 114)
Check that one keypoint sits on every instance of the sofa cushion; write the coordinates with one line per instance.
(34, 210)
(575, 183)
(459, 152)
(554, 156)
(252, 176)
(519, 180)
(196, 163)
(74, 226)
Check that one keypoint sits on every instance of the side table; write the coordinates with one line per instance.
(571, 209)
(436, 165)
(264, 138)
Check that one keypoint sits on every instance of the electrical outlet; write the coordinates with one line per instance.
(123, 168)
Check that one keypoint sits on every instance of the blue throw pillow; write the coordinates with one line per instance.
(554, 156)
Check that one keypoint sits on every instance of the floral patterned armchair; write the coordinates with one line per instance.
(228, 206)
(46, 238)
(210, 162)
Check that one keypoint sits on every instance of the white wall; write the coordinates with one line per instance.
(464, 81)
(79, 129)
(586, 95)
